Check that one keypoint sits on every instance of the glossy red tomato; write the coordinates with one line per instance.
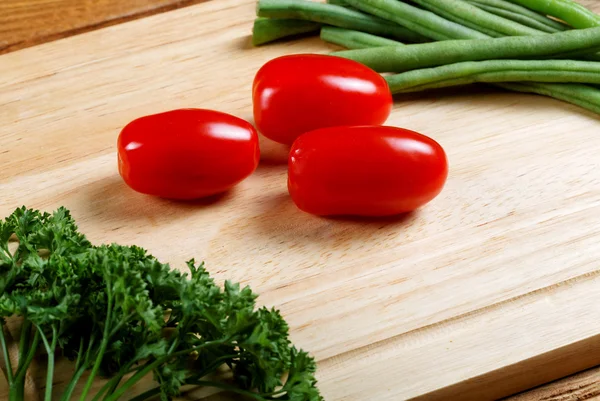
(365, 171)
(187, 153)
(300, 93)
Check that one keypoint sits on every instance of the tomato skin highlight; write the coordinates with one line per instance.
(365, 171)
(187, 153)
(299, 93)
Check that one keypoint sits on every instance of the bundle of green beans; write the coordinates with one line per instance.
(536, 46)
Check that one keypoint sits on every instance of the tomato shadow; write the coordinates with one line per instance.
(271, 153)
(245, 43)
(467, 92)
(111, 199)
(283, 222)
(398, 219)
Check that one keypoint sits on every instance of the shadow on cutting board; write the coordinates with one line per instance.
(495, 97)
(110, 196)
(282, 219)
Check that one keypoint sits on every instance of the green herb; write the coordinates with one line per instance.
(118, 312)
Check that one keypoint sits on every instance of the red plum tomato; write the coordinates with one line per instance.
(300, 93)
(365, 171)
(187, 154)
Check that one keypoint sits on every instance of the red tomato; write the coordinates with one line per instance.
(187, 154)
(300, 93)
(365, 171)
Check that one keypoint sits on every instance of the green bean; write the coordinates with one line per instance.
(421, 21)
(517, 10)
(354, 39)
(267, 30)
(582, 95)
(339, 16)
(466, 14)
(569, 11)
(478, 21)
(338, 2)
(522, 19)
(494, 71)
(404, 58)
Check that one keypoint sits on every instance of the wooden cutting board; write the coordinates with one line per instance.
(491, 289)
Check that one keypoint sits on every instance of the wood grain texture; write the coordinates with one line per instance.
(489, 290)
(579, 387)
(25, 23)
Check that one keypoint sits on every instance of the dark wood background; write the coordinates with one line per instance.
(25, 23)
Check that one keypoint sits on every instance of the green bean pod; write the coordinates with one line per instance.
(354, 39)
(405, 58)
(522, 19)
(582, 95)
(496, 71)
(421, 21)
(466, 14)
(331, 14)
(267, 30)
(521, 14)
(569, 11)
(338, 2)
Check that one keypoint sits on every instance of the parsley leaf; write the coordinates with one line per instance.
(118, 312)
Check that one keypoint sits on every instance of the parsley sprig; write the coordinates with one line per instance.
(118, 312)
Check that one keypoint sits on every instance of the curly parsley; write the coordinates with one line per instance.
(119, 313)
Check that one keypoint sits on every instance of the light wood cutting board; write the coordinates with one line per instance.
(492, 288)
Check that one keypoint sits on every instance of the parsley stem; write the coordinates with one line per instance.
(79, 354)
(22, 369)
(121, 324)
(149, 367)
(174, 345)
(103, 346)
(80, 366)
(147, 394)
(74, 380)
(6, 355)
(218, 362)
(24, 341)
(112, 384)
(88, 352)
(50, 347)
(208, 383)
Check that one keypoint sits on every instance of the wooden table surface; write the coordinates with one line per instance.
(25, 23)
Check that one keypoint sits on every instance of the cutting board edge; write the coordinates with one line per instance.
(524, 375)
